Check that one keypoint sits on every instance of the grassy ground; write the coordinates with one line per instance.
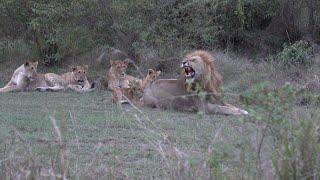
(100, 138)
(85, 136)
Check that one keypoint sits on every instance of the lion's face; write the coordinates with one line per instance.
(135, 88)
(152, 75)
(193, 67)
(80, 74)
(120, 67)
(30, 70)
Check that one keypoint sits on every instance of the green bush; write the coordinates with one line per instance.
(297, 54)
(14, 50)
(167, 25)
(294, 138)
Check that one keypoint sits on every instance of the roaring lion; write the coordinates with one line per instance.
(135, 90)
(117, 77)
(21, 77)
(195, 90)
(75, 80)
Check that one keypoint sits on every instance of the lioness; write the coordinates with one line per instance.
(26, 78)
(75, 80)
(117, 76)
(22, 77)
(135, 90)
(195, 90)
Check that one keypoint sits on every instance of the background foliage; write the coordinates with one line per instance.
(59, 29)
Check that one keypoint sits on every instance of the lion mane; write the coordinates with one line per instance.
(211, 80)
(198, 74)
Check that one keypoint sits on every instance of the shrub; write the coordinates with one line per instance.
(294, 138)
(297, 54)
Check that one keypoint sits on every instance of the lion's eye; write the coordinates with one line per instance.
(193, 60)
(32, 68)
(79, 71)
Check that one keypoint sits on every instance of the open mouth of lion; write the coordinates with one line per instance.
(80, 81)
(32, 78)
(189, 72)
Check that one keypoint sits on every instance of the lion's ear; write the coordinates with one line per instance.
(111, 62)
(27, 63)
(35, 63)
(150, 71)
(73, 68)
(127, 61)
(86, 67)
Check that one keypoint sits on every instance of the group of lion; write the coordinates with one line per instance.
(196, 89)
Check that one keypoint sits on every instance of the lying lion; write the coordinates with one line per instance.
(75, 80)
(135, 90)
(195, 90)
(26, 78)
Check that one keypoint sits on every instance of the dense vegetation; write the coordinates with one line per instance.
(58, 29)
(85, 136)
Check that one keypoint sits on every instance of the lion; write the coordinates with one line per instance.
(130, 94)
(75, 80)
(196, 89)
(22, 77)
(117, 77)
(151, 76)
(26, 78)
(135, 90)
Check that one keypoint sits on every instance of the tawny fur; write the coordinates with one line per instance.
(135, 90)
(117, 77)
(175, 93)
(75, 80)
(212, 80)
(21, 77)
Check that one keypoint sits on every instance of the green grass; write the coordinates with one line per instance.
(104, 141)
(125, 144)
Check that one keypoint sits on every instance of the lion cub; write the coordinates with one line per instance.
(21, 77)
(117, 76)
(75, 80)
(135, 90)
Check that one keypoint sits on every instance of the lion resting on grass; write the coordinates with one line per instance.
(26, 78)
(195, 90)
(135, 90)
(75, 80)
(21, 77)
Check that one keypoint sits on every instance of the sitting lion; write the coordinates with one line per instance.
(117, 77)
(135, 90)
(75, 80)
(21, 77)
(195, 90)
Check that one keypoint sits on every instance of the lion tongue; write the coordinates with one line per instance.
(189, 72)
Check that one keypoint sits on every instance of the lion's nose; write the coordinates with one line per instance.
(184, 63)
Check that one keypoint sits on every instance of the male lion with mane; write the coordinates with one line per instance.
(195, 90)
